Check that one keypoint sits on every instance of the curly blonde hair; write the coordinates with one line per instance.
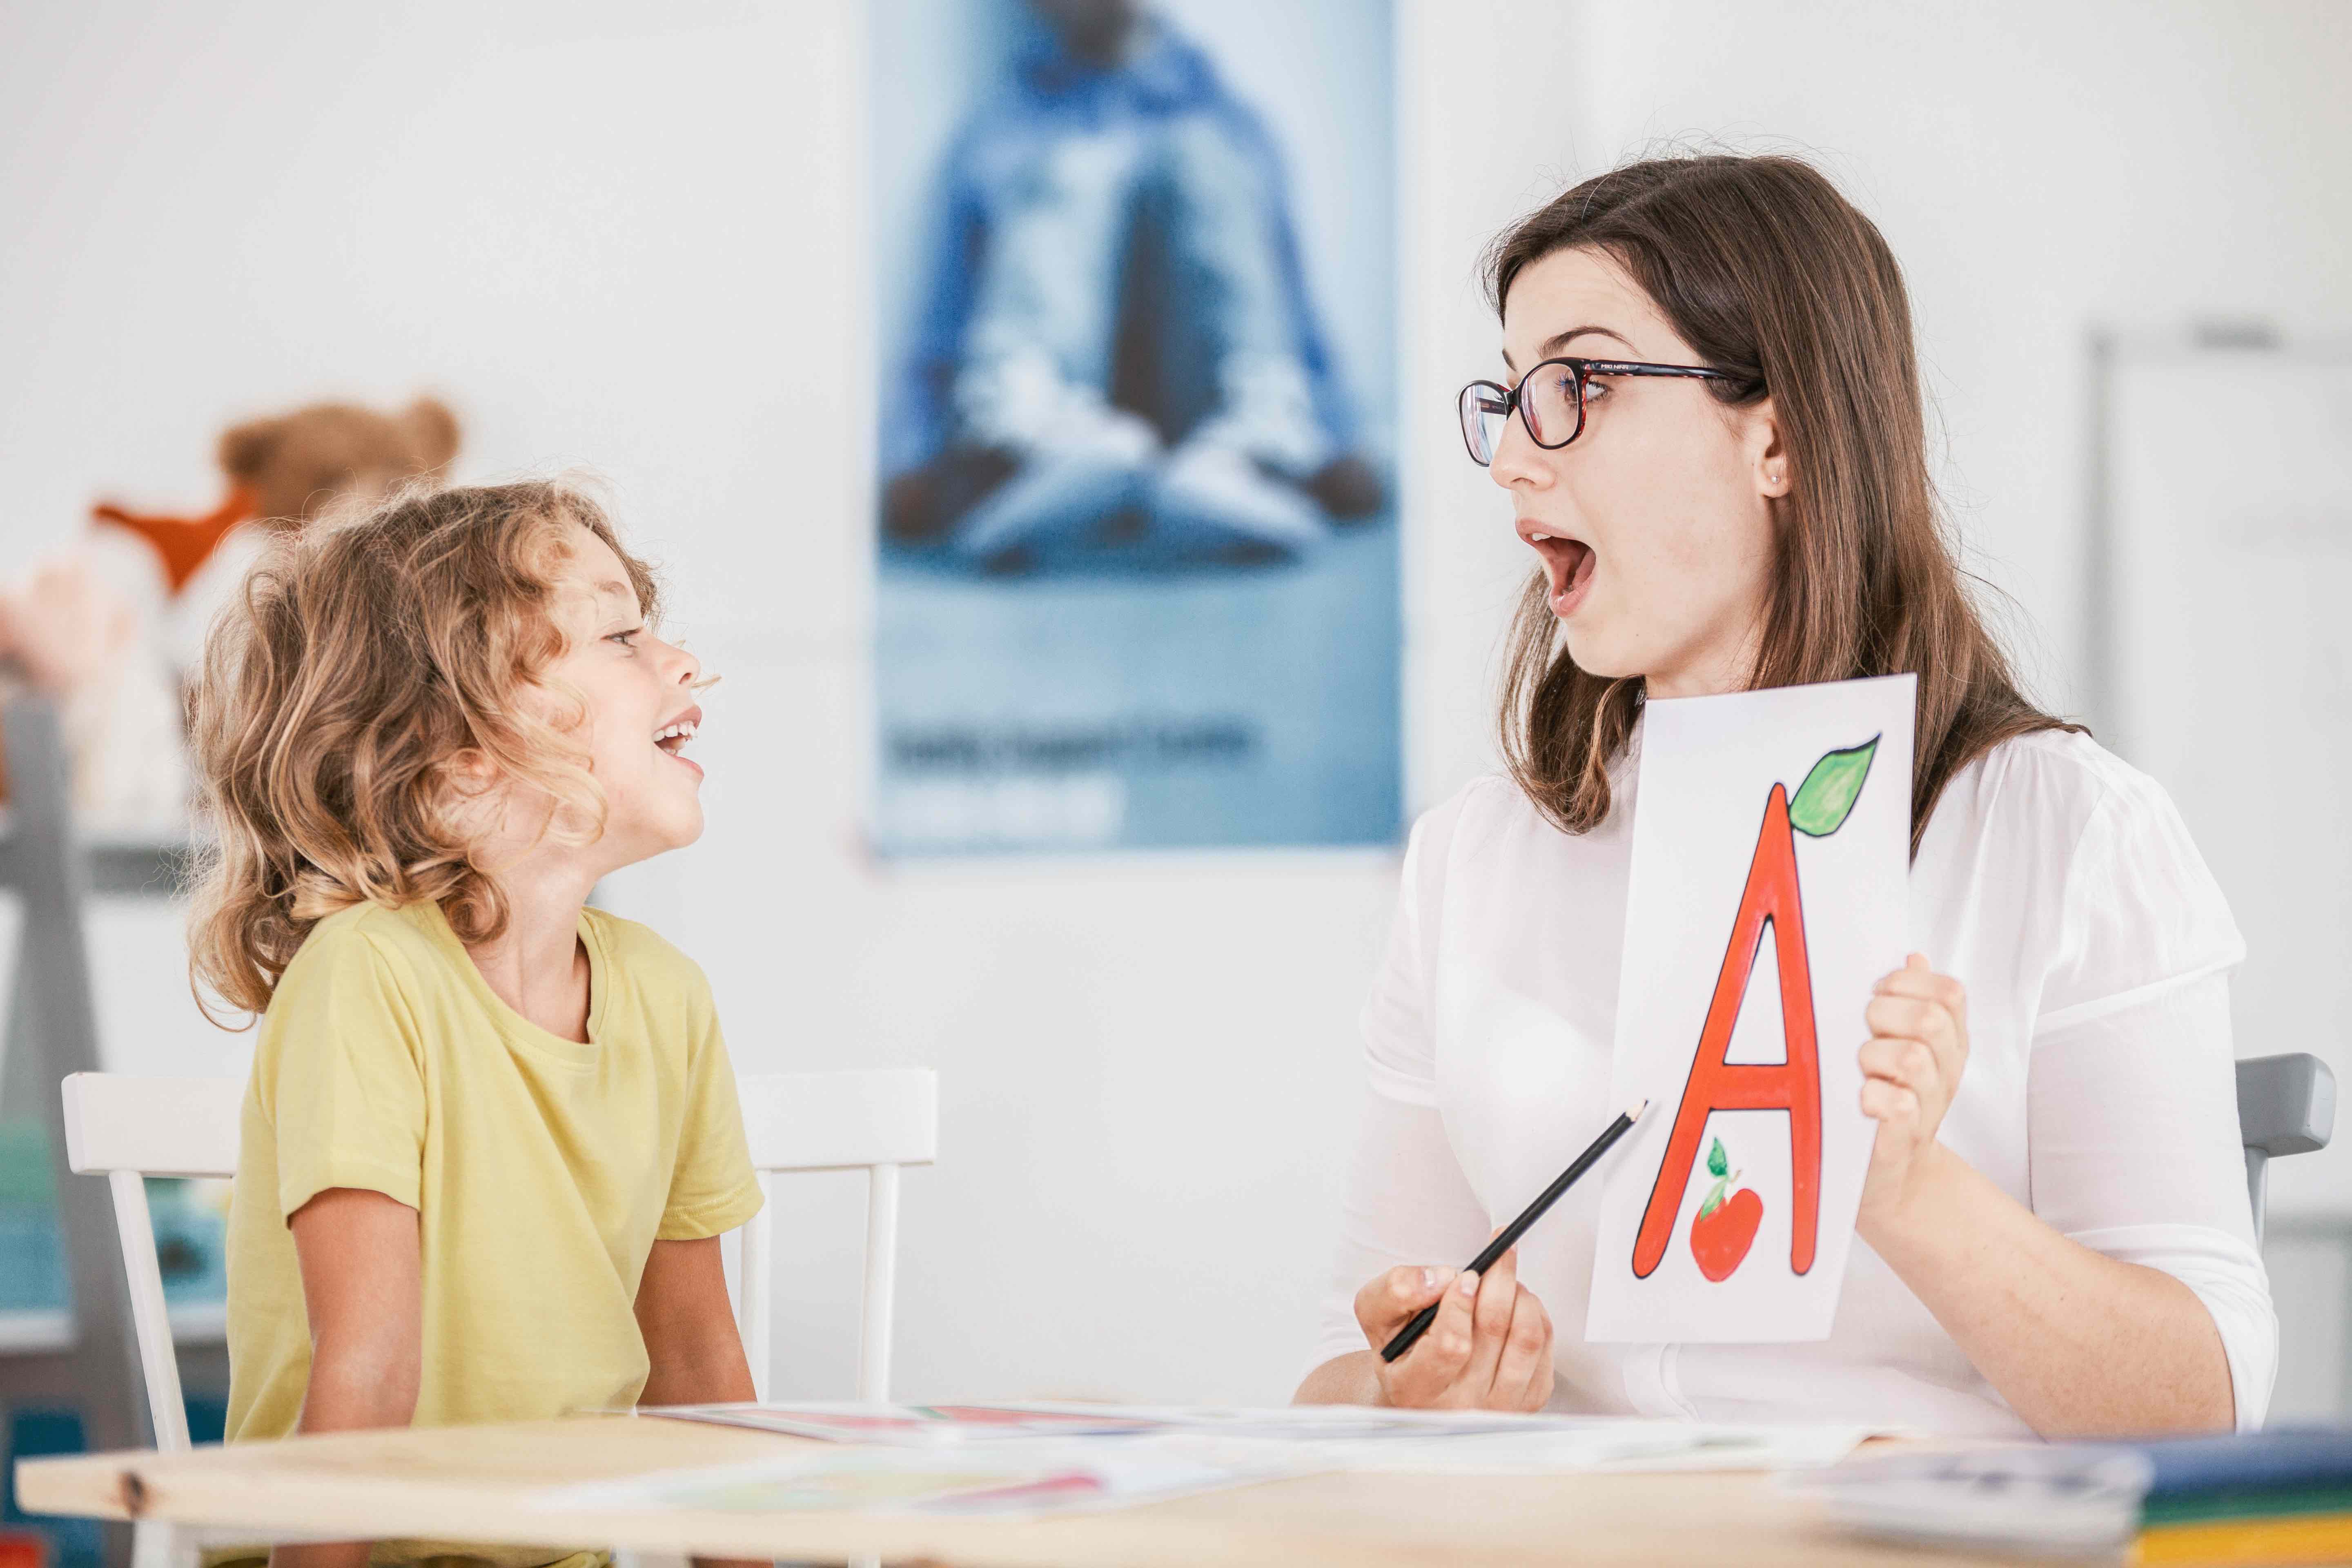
(368, 660)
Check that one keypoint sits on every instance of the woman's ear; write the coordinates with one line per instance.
(1768, 453)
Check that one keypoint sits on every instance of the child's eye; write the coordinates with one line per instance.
(628, 638)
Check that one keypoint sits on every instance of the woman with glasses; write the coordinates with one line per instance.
(1710, 430)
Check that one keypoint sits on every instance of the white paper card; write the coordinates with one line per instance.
(1771, 854)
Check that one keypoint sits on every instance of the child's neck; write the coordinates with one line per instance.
(537, 966)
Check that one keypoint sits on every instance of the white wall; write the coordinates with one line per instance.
(629, 236)
(2037, 167)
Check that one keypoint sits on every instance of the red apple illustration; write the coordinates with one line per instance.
(1720, 1236)
(1768, 899)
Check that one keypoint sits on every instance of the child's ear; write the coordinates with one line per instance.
(468, 802)
(469, 783)
(470, 770)
(245, 450)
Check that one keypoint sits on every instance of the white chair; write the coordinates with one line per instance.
(875, 1121)
(128, 1129)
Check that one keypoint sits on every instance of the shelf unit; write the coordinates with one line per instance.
(87, 1358)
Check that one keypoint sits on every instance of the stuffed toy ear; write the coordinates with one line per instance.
(244, 449)
(432, 433)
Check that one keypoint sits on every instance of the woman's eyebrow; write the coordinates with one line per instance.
(1559, 341)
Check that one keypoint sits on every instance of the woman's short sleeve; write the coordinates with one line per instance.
(2133, 1126)
(339, 1077)
(2141, 912)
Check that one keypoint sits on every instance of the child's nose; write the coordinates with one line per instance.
(689, 668)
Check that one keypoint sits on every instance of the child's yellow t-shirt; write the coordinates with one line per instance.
(541, 1169)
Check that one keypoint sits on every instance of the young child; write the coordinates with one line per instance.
(492, 1138)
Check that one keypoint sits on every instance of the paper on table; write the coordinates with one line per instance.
(932, 1425)
(1139, 1452)
(1767, 895)
(1489, 1442)
(912, 1426)
(1021, 1479)
(1617, 1444)
(1306, 1423)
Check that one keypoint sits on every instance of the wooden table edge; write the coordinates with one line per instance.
(223, 1487)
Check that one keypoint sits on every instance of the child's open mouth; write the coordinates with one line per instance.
(671, 739)
(1568, 566)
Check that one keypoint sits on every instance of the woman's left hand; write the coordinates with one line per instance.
(1911, 1067)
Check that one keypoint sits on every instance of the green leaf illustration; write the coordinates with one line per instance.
(1829, 791)
(1714, 1200)
(1717, 1164)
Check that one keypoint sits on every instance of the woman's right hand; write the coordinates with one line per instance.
(1490, 1348)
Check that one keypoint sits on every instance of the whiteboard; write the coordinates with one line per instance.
(2228, 600)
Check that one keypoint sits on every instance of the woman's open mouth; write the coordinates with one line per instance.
(1569, 565)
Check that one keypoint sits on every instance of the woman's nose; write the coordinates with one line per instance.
(1517, 460)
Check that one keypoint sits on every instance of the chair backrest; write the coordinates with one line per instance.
(128, 1129)
(875, 1120)
(2287, 1105)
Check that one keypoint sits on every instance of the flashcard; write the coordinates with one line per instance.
(1767, 896)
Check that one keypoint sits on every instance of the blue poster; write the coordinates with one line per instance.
(1136, 577)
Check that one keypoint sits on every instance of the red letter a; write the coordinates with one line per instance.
(1793, 1085)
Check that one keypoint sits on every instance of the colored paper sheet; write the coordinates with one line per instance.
(1028, 1478)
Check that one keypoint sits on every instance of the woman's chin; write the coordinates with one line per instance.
(1594, 652)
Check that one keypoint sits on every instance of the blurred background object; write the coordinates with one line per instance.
(112, 626)
(1138, 580)
(1119, 347)
(660, 240)
(100, 642)
(2220, 658)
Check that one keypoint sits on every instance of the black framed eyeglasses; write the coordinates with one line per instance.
(1549, 399)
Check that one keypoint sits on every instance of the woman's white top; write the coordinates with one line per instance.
(2056, 883)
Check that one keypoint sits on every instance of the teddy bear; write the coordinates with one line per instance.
(113, 626)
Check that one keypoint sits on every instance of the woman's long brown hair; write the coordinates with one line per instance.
(1771, 275)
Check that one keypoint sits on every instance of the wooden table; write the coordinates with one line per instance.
(462, 1483)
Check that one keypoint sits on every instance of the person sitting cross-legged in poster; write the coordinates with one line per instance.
(1119, 343)
(1711, 429)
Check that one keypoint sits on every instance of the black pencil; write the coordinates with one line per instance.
(1509, 1235)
